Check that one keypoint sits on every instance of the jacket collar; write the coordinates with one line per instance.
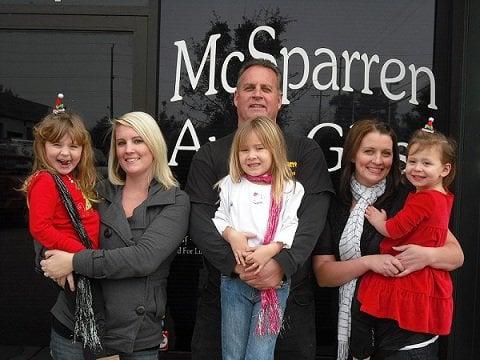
(156, 194)
(112, 213)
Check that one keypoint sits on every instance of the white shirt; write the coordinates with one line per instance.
(245, 206)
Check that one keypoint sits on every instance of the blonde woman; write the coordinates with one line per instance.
(144, 217)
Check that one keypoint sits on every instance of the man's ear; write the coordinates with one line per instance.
(235, 95)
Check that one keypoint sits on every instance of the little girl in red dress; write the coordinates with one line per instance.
(421, 301)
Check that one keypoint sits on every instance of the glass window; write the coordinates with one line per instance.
(90, 68)
(77, 2)
(341, 61)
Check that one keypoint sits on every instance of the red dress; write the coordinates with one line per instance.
(421, 301)
(48, 220)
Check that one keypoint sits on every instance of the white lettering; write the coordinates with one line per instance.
(366, 79)
(183, 54)
(332, 64)
(251, 46)
(413, 99)
(223, 75)
(339, 150)
(306, 69)
(348, 64)
(196, 144)
(384, 81)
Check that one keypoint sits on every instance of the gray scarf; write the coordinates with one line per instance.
(349, 247)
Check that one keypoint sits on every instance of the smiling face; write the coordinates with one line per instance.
(373, 159)
(255, 159)
(63, 155)
(134, 156)
(425, 169)
(257, 94)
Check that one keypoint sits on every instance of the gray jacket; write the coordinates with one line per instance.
(134, 262)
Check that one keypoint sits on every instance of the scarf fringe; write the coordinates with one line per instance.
(270, 315)
(342, 351)
(85, 327)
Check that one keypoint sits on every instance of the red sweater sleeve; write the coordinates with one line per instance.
(44, 208)
(417, 207)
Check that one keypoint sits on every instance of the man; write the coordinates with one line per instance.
(258, 93)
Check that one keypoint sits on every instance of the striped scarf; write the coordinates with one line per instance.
(270, 315)
(349, 247)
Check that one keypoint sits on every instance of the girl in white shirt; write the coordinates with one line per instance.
(258, 217)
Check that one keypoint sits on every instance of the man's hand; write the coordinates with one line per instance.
(270, 276)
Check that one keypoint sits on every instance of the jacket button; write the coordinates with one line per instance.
(140, 310)
(107, 233)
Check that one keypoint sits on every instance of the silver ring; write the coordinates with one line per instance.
(45, 274)
(281, 283)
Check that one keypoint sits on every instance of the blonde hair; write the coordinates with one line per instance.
(52, 128)
(271, 137)
(147, 128)
(446, 146)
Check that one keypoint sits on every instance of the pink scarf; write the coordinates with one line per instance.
(270, 317)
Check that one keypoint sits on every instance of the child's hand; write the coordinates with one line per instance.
(375, 216)
(257, 259)
(261, 255)
(64, 280)
(239, 243)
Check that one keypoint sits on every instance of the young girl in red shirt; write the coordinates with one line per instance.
(62, 147)
(420, 301)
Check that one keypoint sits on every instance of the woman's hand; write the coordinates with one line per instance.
(57, 264)
(384, 264)
(413, 258)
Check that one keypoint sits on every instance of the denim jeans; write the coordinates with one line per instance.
(151, 354)
(241, 305)
(62, 348)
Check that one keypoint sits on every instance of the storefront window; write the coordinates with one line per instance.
(341, 62)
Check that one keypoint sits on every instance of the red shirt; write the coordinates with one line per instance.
(421, 301)
(48, 219)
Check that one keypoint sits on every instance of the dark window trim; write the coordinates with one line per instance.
(142, 25)
(58, 9)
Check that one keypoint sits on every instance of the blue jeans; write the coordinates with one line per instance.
(62, 348)
(241, 305)
(151, 354)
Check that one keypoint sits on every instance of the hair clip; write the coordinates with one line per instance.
(59, 108)
(429, 125)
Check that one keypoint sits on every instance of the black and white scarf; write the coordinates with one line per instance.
(85, 327)
(349, 247)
